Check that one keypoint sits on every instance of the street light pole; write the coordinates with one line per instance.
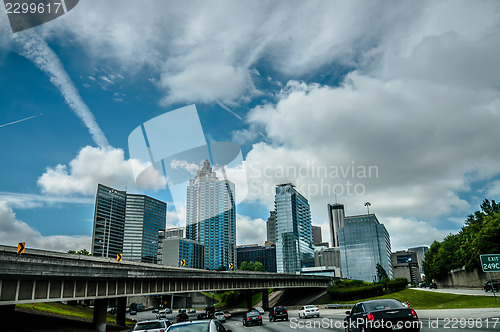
(368, 204)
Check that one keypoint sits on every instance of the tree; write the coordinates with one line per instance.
(259, 267)
(83, 252)
(381, 273)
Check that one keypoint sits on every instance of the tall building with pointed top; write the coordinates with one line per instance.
(294, 247)
(211, 217)
(336, 219)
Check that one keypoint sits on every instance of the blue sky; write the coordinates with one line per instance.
(409, 89)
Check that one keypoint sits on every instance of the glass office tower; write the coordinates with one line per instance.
(294, 248)
(211, 217)
(144, 217)
(109, 222)
(364, 242)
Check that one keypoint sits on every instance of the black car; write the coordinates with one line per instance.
(203, 315)
(433, 285)
(182, 317)
(252, 318)
(381, 315)
(278, 312)
(489, 286)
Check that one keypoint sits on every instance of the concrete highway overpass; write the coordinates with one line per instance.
(46, 276)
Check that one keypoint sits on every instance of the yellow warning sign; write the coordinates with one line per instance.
(183, 262)
(231, 266)
(119, 257)
(20, 247)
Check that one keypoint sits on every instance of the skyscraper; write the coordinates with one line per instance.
(127, 224)
(271, 227)
(316, 234)
(144, 216)
(211, 217)
(363, 243)
(109, 222)
(294, 248)
(336, 218)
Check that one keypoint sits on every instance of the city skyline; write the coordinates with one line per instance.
(373, 111)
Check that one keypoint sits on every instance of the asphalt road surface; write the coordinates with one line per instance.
(332, 320)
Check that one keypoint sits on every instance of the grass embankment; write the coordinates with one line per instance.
(434, 300)
(65, 310)
(219, 299)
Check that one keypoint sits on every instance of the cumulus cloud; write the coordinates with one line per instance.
(96, 165)
(421, 234)
(250, 231)
(13, 231)
(205, 52)
(428, 131)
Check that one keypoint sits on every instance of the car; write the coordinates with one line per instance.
(155, 311)
(212, 325)
(182, 311)
(133, 312)
(422, 285)
(150, 307)
(252, 318)
(278, 312)
(433, 285)
(168, 311)
(220, 316)
(191, 311)
(203, 315)
(156, 325)
(182, 317)
(161, 315)
(491, 285)
(308, 311)
(381, 315)
(259, 309)
(227, 314)
(112, 310)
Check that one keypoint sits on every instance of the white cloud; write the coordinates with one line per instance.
(182, 164)
(28, 201)
(13, 231)
(205, 51)
(205, 83)
(96, 165)
(407, 233)
(250, 231)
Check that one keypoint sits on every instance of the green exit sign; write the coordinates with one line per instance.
(490, 263)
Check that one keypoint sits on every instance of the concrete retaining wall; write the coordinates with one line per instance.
(461, 278)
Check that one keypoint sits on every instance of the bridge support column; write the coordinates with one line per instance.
(249, 299)
(121, 308)
(265, 299)
(99, 318)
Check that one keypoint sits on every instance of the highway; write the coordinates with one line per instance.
(332, 320)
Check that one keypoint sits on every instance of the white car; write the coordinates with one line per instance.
(259, 309)
(220, 316)
(152, 326)
(198, 325)
(308, 311)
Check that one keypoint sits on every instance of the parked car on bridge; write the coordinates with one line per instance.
(278, 312)
(252, 318)
(381, 315)
(199, 325)
(491, 285)
(308, 311)
(156, 325)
